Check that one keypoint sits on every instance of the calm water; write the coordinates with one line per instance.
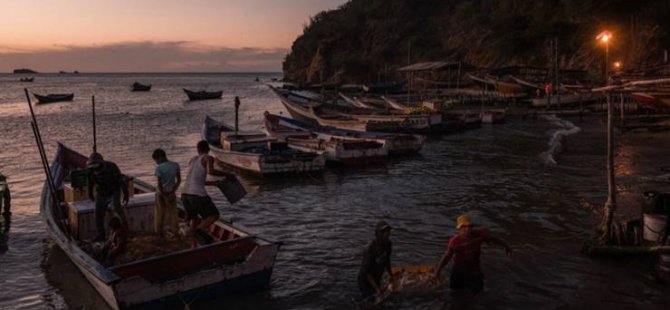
(497, 173)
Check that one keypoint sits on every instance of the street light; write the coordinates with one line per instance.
(617, 65)
(605, 37)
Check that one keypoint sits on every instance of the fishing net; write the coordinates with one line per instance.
(415, 280)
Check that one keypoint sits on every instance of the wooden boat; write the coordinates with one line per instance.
(654, 100)
(256, 152)
(53, 98)
(345, 150)
(202, 95)
(30, 79)
(568, 99)
(360, 119)
(137, 86)
(144, 276)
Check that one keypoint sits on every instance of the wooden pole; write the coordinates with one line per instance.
(610, 205)
(95, 141)
(622, 108)
(237, 108)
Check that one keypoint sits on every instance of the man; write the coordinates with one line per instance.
(465, 248)
(376, 261)
(116, 244)
(168, 180)
(108, 182)
(200, 209)
(5, 201)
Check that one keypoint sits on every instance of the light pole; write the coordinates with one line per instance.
(610, 205)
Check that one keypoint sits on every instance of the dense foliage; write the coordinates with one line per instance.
(365, 39)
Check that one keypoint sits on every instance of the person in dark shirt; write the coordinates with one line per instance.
(465, 248)
(376, 261)
(116, 244)
(108, 182)
(5, 201)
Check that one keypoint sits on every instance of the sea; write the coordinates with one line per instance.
(526, 181)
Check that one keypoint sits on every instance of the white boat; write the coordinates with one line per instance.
(256, 152)
(235, 261)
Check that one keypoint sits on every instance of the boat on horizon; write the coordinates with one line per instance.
(137, 86)
(257, 153)
(202, 95)
(53, 98)
(151, 273)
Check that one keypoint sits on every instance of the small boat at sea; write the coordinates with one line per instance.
(53, 98)
(256, 152)
(339, 149)
(27, 79)
(137, 86)
(152, 273)
(203, 95)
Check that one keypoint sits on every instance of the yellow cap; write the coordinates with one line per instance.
(464, 219)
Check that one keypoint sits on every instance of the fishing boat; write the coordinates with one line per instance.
(654, 100)
(137, 86)
(202, 95)
(256, 152)
(359, 119)
(346, 150)
(159, 274)
(574, 99)
(53, 98)
(27, 79)
(503, 87)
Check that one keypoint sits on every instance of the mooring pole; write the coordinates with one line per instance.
(95, 140)
(610, 205)
(237, 108)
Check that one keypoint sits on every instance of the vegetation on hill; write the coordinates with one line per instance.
(365, 39)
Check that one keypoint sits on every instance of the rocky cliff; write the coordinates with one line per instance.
(365, 39)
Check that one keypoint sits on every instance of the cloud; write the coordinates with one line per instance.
(170, 56)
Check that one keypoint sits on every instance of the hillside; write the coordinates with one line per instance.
(364, 39)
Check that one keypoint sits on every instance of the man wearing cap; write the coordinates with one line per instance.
(108, 181)
(376, 260)
(465, 248)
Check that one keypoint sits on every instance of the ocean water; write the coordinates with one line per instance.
(512, 178)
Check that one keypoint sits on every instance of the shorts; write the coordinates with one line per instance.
(198, 205)
(473, 281)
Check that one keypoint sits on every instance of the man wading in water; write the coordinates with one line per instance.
(465, 248)
(376, 260)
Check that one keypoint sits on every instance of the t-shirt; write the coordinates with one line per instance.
(168, 172)
(376, 260)
(466, 250)
(107, 179)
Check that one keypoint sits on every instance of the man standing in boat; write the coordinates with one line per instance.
(376, 261)
(168, 178)
(465, 248)
(200, 209)
(5, 201)
(108, 181)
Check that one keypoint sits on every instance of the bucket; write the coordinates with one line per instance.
(654, 227)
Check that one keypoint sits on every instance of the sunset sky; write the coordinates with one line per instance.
(151, 35)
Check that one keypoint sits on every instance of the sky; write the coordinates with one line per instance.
(152, 35)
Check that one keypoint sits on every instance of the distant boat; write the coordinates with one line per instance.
(256, 152)
(202, 95)
(53, 98)
(151, 274)
(137, 86)
(257, 79)
(30, 79)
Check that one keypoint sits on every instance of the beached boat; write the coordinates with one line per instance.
(137, 86)
(202, 95)
(396, 143)
(53, 98)
(256, 152)
(654, 100)
(345, 150)
(158, 274)
(567, 99)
